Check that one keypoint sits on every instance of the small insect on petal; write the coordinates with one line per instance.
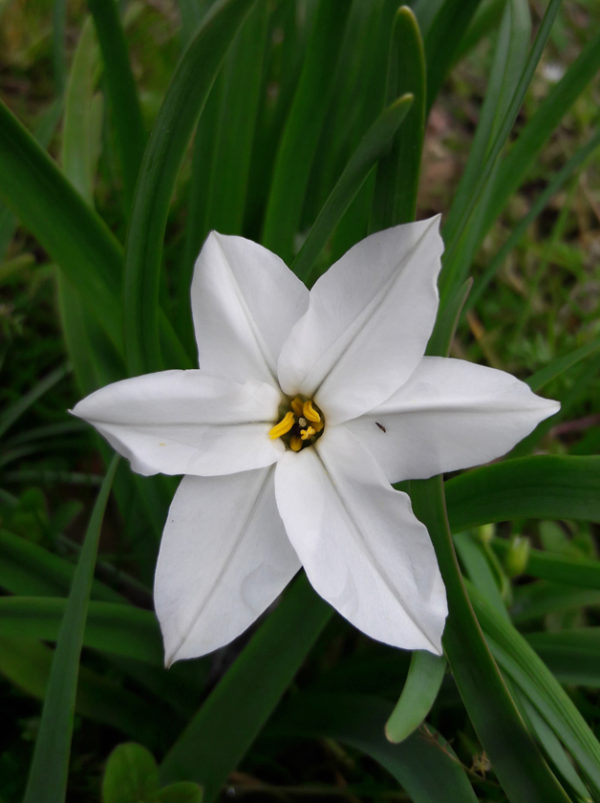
(381, 427)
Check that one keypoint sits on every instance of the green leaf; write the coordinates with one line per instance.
(579, 572)
(239, 706)
(76, 238)
(424, 764)
(131, 775)
(541, 487)
(47, 779)
(110, 627)
(370, 148)
(573, 655)
(442, 40)
(507, 68)
(182, 792)
(178, 114)
(27, 665)
(15, 410)
(552, 747)
(557, 180)
(542, 689)
(121, 91)
(561, 364)
(421, 688)
(395, 198)
(82, 127)
(300, 137)
(482, 192)
(516, 759)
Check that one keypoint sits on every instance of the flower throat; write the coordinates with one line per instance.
(300, 423)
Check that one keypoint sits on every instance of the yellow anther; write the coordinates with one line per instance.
(295, 444)
(307, 433)
(296, 405)
(284, 426)
(310, 413)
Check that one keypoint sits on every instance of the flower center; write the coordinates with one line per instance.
(300, 423)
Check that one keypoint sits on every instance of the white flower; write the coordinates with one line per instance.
(306, 406)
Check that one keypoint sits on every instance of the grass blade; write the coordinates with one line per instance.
(49, 768)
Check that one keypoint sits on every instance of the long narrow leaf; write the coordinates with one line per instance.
(240, 705)
(423, 764)
(121, 91)
(179, 112)
(517, 761)
(370, 148)
(543, 486)
(48, 772)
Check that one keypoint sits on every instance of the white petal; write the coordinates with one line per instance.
(244, 302)
(367, 323)
(224, 557)
(184, 422)
(360, 543)
(450, 414)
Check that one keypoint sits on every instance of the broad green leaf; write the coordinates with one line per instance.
(424, 764)
(303, 126)
(166, 148)
(131, 775)
(542, 689)
(395, 198)
(421, 688)
(121, 92)
(47, 779)
(110, 627)
(239, 706)
(541, 487)
(517, 761)
(370, 148)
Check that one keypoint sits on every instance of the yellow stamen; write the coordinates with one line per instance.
(295, 444)
(307, 433)
(310, 413)
(284, 426)
(296, 405)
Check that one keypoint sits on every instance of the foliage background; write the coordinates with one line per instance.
(85, 277)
